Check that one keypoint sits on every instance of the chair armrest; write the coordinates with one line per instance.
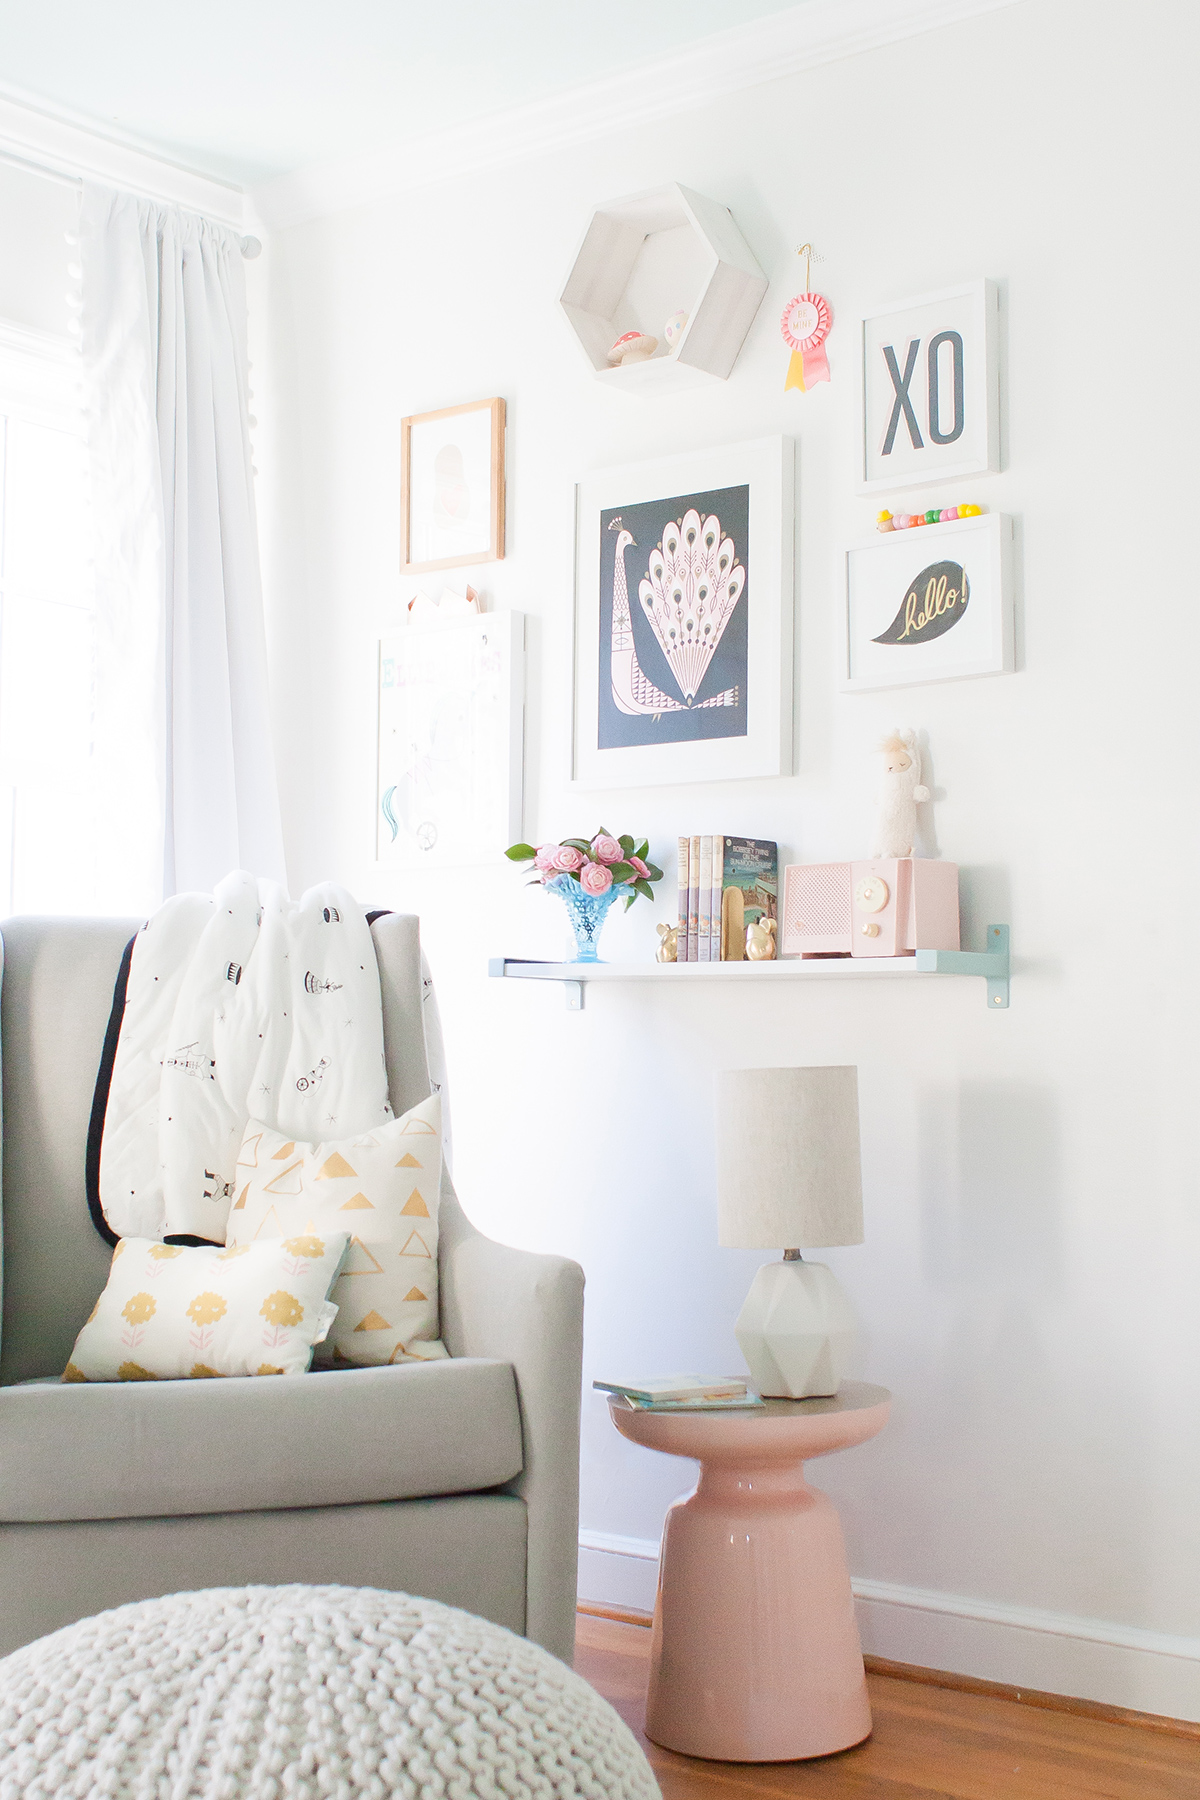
(527, 1310)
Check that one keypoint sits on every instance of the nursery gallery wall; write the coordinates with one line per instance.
(1027, 1284)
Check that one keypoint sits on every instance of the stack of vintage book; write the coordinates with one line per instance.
(725, 884)
(683, 1393)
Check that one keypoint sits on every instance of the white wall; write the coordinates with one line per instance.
(35, 215)
(1029, 1280)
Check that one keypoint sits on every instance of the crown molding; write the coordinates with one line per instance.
(767, 49)
(35, 133)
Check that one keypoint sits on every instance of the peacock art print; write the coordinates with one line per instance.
(673, 665)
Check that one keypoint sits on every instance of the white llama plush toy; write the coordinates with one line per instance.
(898, 797)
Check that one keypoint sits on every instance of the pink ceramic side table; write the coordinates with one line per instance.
(755, 1655)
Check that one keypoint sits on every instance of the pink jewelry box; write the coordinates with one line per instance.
(890, 906)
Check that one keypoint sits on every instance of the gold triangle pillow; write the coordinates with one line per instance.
(382, 1188)
(169, 1312)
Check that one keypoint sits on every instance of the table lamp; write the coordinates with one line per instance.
(788, 1174)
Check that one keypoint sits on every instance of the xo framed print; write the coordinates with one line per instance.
(930, 388)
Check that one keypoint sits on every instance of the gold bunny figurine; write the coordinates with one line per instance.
(760, 941)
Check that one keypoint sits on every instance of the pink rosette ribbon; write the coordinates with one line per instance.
(805, 326)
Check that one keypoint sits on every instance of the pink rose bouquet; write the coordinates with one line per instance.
(597, 864)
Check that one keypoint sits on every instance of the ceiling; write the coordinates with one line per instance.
(248, 89)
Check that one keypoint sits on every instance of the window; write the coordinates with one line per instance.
(47, 799)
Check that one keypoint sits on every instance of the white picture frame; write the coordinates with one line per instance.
(899, 584)
(929, 388)
(619, 741)
(450, 742)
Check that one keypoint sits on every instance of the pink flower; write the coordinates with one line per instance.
(607, 850)
(557, 859)
(637, 863)
(594, 878)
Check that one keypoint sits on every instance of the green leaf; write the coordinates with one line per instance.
(577, 844)
(629, 900)
(626, 844)
(655, 872)
(622, 871)
(604, 832)
(644, 888)
(520, 852)
(642, 849)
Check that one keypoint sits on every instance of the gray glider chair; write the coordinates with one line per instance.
(456, 1480)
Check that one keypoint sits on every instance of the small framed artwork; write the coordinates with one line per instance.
(930, 388)
(451, 731)
(683, 618)
(932, 603)
(452, 487)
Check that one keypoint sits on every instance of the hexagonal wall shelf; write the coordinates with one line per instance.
(649, 256)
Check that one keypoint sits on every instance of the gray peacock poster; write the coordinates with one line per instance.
(674, 598)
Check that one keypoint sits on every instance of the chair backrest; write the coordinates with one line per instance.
(54, 1008)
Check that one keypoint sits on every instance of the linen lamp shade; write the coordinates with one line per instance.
(788, 1170)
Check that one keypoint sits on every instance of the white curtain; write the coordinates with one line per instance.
(184, 761)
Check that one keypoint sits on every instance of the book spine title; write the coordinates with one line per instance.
(704, 940)
(718, 885)
(681, 936)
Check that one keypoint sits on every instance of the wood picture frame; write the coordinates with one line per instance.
(449, 459)
(646, 715)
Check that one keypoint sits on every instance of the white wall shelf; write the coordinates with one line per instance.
(992, 964)
(648, 256)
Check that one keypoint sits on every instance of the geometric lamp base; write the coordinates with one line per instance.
(795, 1330)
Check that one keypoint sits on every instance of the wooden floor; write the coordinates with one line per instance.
(929, 1743)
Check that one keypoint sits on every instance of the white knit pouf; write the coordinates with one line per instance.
(304, 1693)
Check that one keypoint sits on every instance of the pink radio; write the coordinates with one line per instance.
(893, 906)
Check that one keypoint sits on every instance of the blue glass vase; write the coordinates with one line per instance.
(587, 912)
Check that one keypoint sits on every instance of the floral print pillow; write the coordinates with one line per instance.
(171, 1313)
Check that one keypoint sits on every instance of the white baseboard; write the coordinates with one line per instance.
(617, 1571)
(1088, 1659)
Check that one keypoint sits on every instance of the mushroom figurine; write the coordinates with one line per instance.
(633, 347)
(675, 327)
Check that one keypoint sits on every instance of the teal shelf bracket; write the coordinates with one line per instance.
(991, 963)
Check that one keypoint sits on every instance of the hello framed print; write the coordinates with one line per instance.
(932, 603)
(930, 388)
(683, 618)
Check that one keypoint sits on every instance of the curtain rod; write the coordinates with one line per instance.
(250, 246)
